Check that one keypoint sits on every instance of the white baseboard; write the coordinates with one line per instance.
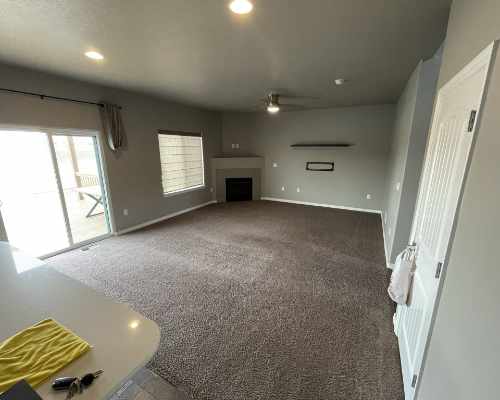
(165, 217)
(307, 203)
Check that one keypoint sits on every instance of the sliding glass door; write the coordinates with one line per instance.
(52, 195)
(81, 181)
(31, 208)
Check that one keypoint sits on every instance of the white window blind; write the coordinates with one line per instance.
(181, 156)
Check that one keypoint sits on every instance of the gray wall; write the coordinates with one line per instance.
(359, 170)
(134, 175)
(3, 234)
(463, 356)
(413, 116)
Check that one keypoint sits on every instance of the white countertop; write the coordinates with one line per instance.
(123, 340)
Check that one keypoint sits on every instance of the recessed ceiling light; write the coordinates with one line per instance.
(94, 55)
(241, 6)
(340, 81)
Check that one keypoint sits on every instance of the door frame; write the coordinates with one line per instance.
(485, 58)
(103, 175)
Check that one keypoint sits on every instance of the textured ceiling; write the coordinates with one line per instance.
(198, 52)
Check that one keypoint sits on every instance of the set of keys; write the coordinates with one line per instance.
(75, 385)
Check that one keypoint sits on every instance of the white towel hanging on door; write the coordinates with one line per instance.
(402, 276)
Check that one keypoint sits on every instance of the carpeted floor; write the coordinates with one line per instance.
(258, 300)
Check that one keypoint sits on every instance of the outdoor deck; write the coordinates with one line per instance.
(36, 224)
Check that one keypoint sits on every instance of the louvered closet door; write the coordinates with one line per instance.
(444, 169)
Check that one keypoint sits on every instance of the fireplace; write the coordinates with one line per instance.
(238, 189)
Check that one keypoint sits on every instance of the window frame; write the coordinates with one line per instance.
(191, 188)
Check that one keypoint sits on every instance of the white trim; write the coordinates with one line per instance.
(483, 58)
(60, 189)
(185, 190)
(103, 165)
(387, 261)
(76, 246)
(165, 217)
(307, 203)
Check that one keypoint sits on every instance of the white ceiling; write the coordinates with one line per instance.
(198, 52)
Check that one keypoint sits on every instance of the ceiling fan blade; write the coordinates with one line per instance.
(298, 97)
(294, 106)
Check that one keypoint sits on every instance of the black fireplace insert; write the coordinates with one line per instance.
(238, 189)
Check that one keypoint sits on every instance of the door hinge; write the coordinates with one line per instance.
(439, 268)
(472, 120)
(414, 381)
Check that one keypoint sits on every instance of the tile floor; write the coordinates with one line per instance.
(146, 385)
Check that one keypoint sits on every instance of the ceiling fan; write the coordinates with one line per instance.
(273, 104)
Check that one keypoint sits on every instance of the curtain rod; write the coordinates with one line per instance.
(45, 96)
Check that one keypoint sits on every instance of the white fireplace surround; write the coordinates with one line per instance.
(236, 167)
(229, 162)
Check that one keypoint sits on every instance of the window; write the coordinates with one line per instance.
(181, 156)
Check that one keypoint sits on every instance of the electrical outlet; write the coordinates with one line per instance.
(369, 196)
(211, 190)
(282, 188)
(237, 145)
(275, 164)
(125, 211)
(398, 186)
(298, 190)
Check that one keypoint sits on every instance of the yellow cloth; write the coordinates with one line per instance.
(38, 352)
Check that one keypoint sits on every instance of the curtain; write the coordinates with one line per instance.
(113, 125)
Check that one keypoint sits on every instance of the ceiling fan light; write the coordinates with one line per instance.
(94, 55)
(273, 108)
(241, 6)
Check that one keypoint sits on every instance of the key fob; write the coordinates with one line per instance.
(63, 383)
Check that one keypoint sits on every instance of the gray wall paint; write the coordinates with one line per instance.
(413, 116)
(359, 170)
(397, 160)
(134, 175)
(3, 234)
(462, 360)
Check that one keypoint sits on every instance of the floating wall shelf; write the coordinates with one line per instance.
(319, 145)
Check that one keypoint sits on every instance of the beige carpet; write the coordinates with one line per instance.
(258, 300)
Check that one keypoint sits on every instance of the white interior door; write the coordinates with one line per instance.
(450, 141)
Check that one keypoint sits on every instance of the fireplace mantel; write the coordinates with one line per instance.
(227, 162)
